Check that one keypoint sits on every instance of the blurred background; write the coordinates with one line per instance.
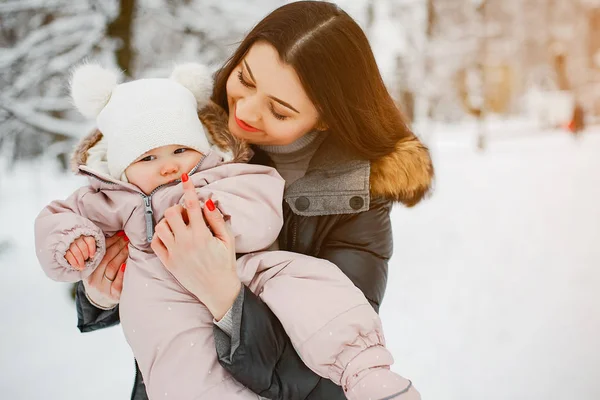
(493, 285)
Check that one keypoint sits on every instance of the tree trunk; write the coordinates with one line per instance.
(429, 30)
(120, 29)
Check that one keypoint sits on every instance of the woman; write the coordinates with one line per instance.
(303, 88)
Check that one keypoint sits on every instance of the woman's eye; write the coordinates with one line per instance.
(243, 81)
(276, 114)
(179, 151)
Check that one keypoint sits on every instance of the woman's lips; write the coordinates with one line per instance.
(245, 126)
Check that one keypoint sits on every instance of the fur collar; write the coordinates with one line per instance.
(405, 175)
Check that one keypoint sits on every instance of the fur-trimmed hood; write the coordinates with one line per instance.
(405, 175)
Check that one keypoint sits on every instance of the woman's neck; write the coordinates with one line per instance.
(291, 161)
(293, 147)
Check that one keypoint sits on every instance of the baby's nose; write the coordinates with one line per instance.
(169, 169)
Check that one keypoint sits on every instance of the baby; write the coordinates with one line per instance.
(151, 132)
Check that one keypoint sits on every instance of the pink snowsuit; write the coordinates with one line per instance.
(328, 319)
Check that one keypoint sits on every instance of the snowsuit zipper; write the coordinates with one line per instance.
(148, 213)
(148, 216)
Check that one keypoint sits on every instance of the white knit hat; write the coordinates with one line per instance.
(144, 114)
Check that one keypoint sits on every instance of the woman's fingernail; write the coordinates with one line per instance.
(210, 205)
(184, 178)
(121, 233)
(123, 267)
(126, 238)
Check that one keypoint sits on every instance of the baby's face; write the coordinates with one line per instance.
(161, 165)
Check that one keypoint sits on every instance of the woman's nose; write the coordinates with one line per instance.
(247, 109)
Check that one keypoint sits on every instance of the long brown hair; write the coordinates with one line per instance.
(335, 64)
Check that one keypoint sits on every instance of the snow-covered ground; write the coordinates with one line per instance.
(493, 289)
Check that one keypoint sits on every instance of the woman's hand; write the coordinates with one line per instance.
(202, 263)
(103, 287)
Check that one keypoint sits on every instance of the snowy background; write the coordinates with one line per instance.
(493, 289)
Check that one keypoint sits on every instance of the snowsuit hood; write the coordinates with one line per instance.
(90, 152)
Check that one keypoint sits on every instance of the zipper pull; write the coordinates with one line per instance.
(149, 220)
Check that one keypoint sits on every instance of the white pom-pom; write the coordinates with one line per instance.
(91, 88)
(197, 79)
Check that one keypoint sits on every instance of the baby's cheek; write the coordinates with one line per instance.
(139, 176)
(129, 174)
(134, 174)
(193, 160)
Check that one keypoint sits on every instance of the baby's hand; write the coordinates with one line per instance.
(83, 248)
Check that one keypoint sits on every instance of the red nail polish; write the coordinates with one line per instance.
(121, 233)
(123, 267)
(126, 238)
(184, 178)
(210, 205)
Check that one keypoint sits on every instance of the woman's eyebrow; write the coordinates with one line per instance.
(283, 103)
(249, 71)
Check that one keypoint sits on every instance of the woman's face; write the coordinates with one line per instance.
(267, 104)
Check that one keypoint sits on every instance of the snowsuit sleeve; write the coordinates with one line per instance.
(250, 198)
(260, 355)
(61, 222)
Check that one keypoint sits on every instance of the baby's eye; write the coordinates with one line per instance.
(148, 158)
(181, 150)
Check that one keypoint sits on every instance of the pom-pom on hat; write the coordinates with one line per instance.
(143, 114)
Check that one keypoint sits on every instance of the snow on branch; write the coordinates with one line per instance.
(46, 123)
(48, 103)
(37, 43)
(56, 65)
(27, 5)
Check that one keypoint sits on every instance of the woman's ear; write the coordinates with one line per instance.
(321, 126)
